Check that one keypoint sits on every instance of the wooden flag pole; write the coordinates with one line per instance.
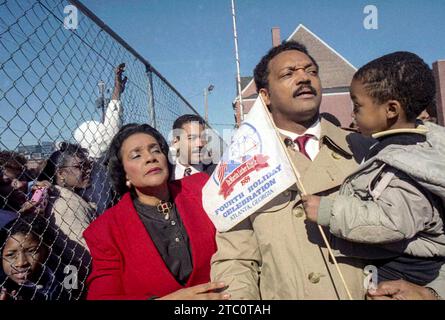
(238, 74)
(303, 192)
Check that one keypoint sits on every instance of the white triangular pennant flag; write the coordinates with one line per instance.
(253, 170)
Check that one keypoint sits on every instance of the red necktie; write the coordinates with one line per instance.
(301, 142)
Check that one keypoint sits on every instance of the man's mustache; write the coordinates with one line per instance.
(304, 88)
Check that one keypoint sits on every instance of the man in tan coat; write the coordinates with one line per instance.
(275, 253)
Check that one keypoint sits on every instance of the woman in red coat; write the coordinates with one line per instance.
(157, 242)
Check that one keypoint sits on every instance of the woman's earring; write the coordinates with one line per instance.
(128, 183)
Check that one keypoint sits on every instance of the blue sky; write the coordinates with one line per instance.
(191, 41)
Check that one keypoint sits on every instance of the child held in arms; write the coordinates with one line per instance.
(392, 206)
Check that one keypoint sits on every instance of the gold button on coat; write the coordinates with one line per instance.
(299, 211)
(314, 277)
(335, 155)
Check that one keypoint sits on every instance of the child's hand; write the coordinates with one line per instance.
(311, 204)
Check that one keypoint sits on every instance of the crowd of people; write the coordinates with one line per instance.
(128, 218)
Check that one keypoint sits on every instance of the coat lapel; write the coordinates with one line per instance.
(322, 174)
(331, 165)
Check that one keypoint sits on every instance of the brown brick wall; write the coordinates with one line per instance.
(339, 105)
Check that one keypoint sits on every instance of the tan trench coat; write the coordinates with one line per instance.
(276, 253)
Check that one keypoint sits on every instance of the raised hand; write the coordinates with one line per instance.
(119, 81)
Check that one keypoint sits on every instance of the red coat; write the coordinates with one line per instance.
(126, 263)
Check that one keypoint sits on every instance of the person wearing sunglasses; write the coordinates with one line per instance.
(65, 176)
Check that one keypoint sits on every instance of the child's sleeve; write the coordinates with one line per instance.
(400, 212)
(438, 284)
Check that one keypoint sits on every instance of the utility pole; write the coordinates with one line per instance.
(206, 107)
(100, 102)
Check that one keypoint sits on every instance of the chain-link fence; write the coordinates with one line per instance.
(57, 79)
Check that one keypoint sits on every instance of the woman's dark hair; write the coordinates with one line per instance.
(59, 158)
(12, 160)
(15, 161)
(12, 199)
(115, 167)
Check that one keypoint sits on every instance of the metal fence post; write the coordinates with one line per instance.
(151, 100)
